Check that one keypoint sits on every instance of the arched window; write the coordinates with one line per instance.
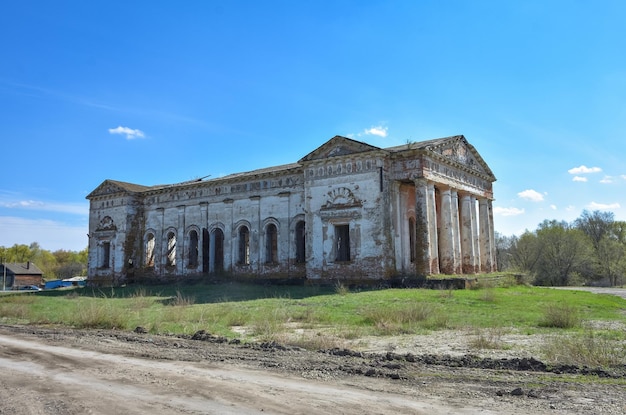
(149, 261)
(171, 249)
(271, 244)
(244, 246)
(217, 255)
(412, 239)
(193, 249)
(300, 242)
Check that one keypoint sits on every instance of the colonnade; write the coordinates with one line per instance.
(452, 235)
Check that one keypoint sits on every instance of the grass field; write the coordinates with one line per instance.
(269, 313)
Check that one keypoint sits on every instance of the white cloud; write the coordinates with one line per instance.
(553, 207)
(623, 176)
(531, 195)
(579, 179)
(379, 131)
(607, 179)
(584, 170)
(507, 211)
(49, 234)
(129, 132)
(72, 208)
(603, 206)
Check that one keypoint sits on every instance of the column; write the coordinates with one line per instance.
(161, 248)
(402, 261)
(256, 241)
(432, 230)
(204, 230)
(446, 236)
(212, 252)
(475, 235)
(456, 234)
(180, 242)
(494, 263)
(467, 235)
(486, 241)
(422, 229)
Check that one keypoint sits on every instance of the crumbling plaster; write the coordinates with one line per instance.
(406, 211)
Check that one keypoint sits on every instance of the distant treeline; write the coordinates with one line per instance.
(591, 250)
(55, 265)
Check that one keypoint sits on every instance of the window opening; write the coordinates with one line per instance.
(106, 254)
(205, 250)
(193, 249)
(218, 254)
(171, 249)
(244, 246)
(150, 250)
(300, 242)
(342, 235)
(271, 244)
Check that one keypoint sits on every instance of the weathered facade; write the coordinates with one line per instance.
(347, 210)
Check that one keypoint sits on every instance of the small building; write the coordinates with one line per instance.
(345, 211)
(20, 274)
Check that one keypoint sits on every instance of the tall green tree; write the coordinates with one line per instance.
(564, 252)
(525, 252)
(608, 239)
(596, 225)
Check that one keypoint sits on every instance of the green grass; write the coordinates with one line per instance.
(327, 314)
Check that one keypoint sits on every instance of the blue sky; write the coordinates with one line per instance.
(154, 92)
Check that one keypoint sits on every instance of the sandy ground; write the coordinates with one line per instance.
(62, 371)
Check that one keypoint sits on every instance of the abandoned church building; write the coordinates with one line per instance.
(347, 210)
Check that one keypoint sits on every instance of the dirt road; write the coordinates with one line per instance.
(46, 371)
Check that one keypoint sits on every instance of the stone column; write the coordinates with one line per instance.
(494, 262)
(432, 230)
(283, 235)
(446, 236)
(456, 233)
(256, 241)
(475, 235)
(422, 229)
(204, 222)
(486, 241)
(467, 235)
(180, 242)
(161, 247)
(212, 251)
(230, 237)
(399, 226)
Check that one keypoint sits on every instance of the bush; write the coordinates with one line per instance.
(487, 339)
(560, 316)
(98, 315)
(587, 349)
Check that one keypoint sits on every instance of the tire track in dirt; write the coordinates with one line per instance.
(107, 383)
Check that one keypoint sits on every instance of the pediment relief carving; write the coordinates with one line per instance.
(338, 146)
(106, 189)
(459, 151)
(340, 198)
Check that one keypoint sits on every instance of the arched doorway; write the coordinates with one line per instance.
(217, 251)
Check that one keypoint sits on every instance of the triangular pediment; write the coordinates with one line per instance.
(338, 146)
(109, 187)
(459, 151)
